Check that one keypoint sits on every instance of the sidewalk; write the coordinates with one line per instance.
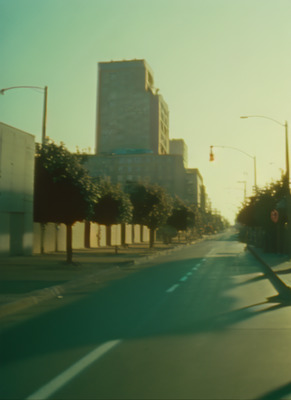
(278, 266)
(26, 281)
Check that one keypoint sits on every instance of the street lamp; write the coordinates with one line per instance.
(2, 91)
(245, 189)
(286, 141)
(211, 158)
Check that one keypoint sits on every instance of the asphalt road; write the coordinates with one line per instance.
(202, 323)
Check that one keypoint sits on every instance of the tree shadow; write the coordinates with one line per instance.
(277, 394)
(138, 306)
(283, 271)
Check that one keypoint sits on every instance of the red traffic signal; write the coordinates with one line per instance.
(211, 155)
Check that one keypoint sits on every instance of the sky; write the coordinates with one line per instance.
(213, 61)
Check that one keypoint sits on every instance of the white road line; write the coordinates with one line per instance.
(59, 381)
(172, 288)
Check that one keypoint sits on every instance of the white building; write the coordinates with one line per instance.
(16, 191)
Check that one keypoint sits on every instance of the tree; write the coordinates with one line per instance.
(113, 207)
(151, 206)
(63, 191)
(256, 212)
(182, 216)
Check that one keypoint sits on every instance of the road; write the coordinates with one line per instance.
(201, 323)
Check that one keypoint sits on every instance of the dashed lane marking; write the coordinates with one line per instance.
(172, 288)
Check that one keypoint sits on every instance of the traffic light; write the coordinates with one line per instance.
(211, 155)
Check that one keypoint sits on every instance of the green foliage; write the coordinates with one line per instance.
(63, 190)
(182, 217)
(167, 232)
(113, 206)
(207, 222)
(256, 211)
(151, 205)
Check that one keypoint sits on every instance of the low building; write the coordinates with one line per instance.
(16, 191)
(164, 170)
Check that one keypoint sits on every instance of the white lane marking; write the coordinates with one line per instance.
(184, 278)
(59, 381)
(172, 288)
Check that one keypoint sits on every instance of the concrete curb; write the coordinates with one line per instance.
(38, 296)
(281, 287)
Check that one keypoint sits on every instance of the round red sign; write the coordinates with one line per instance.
(275, 216)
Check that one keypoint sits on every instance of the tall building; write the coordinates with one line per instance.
(195, 190)
(132, 117)
(178, 146)
(132, 142)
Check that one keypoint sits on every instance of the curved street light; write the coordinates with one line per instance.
(285, 125)
(241, 151)
(45, 89)
(245, 189)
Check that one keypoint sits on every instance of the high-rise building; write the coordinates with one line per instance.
(178, 146)
(132, 143)
(195, 190)
(132, 117)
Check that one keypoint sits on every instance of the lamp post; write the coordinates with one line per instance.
(211, 158)
(45, 89)
(286, 143)
(245, 189)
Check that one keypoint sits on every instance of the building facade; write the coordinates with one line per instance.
(132, 139)
(16, 191)
(195, 190)
(131, 115)
(178, 146)
(166, 171)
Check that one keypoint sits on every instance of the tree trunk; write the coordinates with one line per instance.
(42, 234)
(108, 235)
(123, 228)
(69, 243)
(152, 237)
(87, 235)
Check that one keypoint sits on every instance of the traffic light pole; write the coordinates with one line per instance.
(243, 152)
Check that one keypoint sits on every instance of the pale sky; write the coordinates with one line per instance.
(213, 61)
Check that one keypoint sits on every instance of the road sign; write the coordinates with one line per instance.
(274, 216)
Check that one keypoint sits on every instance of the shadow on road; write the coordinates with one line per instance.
(138, 306)
(277, 394)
